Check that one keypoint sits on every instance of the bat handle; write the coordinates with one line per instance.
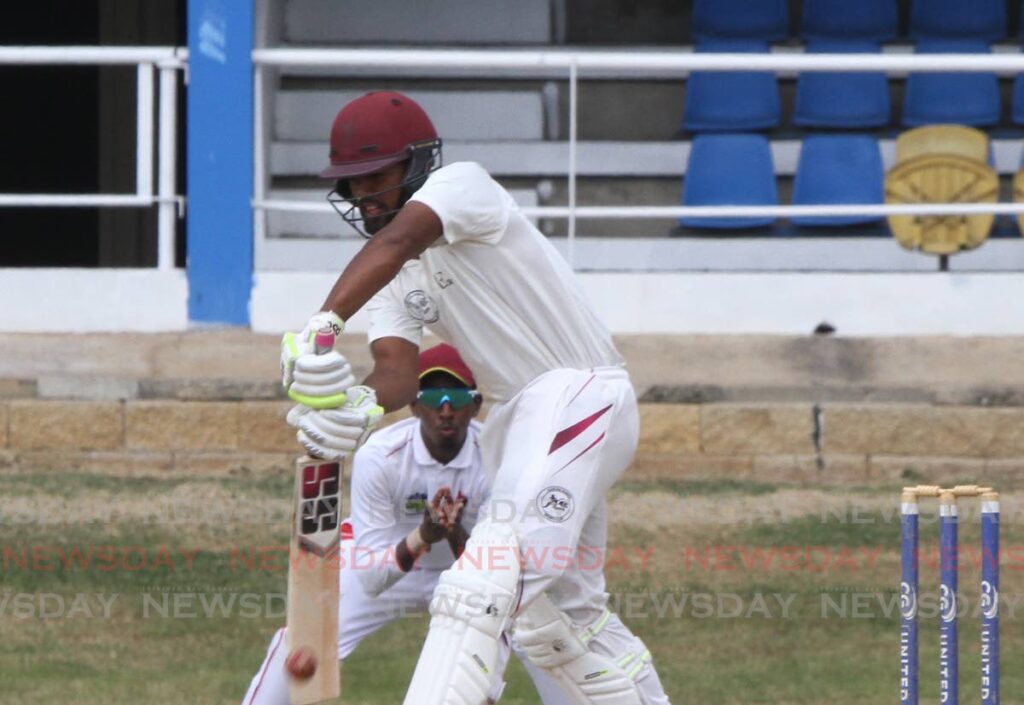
(323, 342)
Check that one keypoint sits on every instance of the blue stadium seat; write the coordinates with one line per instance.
(838, 169)
(842, 99)
(741, 19)
(1018, 100)
(729, 169)
(963, 98)
(1018, 92)
(969, 19)
(731, 100)
(874, 20)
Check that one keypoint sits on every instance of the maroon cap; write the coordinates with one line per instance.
(445, 358)
(375, 131)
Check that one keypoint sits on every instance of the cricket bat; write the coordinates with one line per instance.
(313, 578)
(313, 572)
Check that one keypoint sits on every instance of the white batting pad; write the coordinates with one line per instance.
(547, 637)
(472, 604)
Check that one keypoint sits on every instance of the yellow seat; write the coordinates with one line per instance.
(941, 164)
(957, 140)
(941, 178)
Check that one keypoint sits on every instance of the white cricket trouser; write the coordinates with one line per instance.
(359, 616)
(554, 450)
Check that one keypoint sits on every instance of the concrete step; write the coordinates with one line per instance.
(231, 364)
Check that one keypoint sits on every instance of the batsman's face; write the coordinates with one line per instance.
(378, 194)
(444, 430)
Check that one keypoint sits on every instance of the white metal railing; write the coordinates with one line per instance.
(579, 63)
(168, 61)
(641, 62)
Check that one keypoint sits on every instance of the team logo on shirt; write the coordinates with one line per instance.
(416, 503)
(443, 280)
(421, 307)
(556, 503)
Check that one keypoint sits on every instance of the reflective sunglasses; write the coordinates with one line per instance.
(458, 397)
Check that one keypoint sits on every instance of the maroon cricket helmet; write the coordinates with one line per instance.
(375, 131)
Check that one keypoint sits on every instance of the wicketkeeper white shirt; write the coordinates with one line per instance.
(493, 287)
(394, 477)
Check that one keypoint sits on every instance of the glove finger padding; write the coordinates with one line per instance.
(295, 413)
(363, 400)
(320, 381)
(318, 426)
(327, 364)
(318, 450)
(329, 372)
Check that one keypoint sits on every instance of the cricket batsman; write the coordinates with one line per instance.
(448, 249)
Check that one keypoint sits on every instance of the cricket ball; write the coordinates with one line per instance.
(300, 664)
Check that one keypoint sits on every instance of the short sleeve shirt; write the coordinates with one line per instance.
(492, 286)
(394, 477)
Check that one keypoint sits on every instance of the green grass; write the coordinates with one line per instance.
(73, 485)
(721, 633)
(686, 488)
(824, 529)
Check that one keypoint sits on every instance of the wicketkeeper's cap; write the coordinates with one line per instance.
(445, 358)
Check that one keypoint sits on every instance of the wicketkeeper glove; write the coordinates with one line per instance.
(335, 434)
(316, 381)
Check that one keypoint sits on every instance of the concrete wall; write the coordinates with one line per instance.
(888, 443)
(766, 408)
(801, 443)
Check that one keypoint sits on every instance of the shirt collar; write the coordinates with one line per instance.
(423, 457)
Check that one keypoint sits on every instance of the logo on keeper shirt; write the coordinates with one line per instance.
(556, 503)
(443, 280)
(416, 503)
(421, 307)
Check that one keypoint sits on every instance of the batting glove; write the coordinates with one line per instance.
(316, 380)
(335, 434)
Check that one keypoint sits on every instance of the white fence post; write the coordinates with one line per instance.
(573, 97)
(168, 204)
(144, 131)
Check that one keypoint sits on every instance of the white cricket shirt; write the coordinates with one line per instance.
(493, 287)
(394, 477)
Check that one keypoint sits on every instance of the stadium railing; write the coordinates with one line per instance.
(167, 61)
(573, 65)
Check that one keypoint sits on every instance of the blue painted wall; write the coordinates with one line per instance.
(219, 186)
